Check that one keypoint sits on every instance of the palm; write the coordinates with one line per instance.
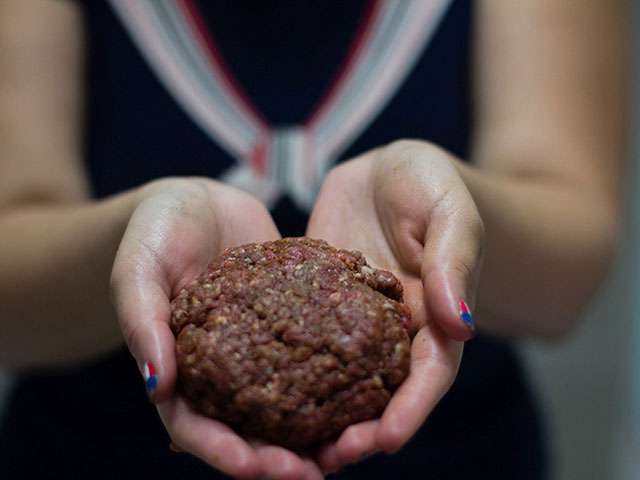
(171, 238)
(347, 214)
(184, 229)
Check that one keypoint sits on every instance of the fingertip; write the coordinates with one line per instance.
(164, 390)
(159, 376)
(347, 448)
(389, 437)
(357, 442)
(280, 464)
(283, 464)
(456, 320)
(246, 468)
(328, 459)
(313, 470)
(449, 309)
(143, 313)
(150, 377)
(466, 316)
(452, 327)
(238, 460)
(246, 463)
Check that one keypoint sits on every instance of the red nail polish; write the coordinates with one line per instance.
(150, 377)
(466, 316)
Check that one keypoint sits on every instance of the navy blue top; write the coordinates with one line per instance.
(94, 420)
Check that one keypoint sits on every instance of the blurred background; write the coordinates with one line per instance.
(589, 385)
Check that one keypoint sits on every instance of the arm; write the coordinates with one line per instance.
(54, 293)
(551, 92)
(526, 232)
(62, 255)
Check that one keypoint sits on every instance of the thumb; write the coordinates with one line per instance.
(452, 259)
(143, 311)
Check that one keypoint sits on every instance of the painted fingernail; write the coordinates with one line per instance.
(150, 377)
(466, 317)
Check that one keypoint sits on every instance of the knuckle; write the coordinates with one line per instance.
(463, 267)
(410, 158)
(416, 149)
(404, 144)
(402, 151)
(235, 196)
(350, 434)
(181, 188)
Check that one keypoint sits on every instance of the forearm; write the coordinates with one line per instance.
(55, 263)
(548, 246)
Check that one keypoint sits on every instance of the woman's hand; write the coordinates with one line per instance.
(178, 227)
(407, 209)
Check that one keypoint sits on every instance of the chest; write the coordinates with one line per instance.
(268, 96)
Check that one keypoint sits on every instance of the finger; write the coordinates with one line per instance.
(209, 440)
(282, 464)
(434, 363)
(315, 473)
(327, 458)
(143, 310)
(451, 263)
(357, 442)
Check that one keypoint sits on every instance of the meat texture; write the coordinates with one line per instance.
(291, 341)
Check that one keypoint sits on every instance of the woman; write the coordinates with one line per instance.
(254, 95)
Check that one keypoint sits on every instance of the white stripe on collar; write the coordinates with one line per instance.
(291, 159)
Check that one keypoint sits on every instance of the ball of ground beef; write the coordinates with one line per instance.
(291, 341)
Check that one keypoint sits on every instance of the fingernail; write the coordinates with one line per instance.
(466, 317)
(150, 377)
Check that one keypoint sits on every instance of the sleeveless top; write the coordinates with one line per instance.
(267, 96)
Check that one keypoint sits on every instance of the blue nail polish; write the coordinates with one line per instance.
(150, 377)
(465, 315)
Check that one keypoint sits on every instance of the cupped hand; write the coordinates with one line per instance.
(407, 209)
(177, 228)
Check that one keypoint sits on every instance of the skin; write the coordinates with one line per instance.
(376, 204)
(175, 231)
(525, 233)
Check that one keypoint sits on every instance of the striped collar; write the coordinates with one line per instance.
(272, 161)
